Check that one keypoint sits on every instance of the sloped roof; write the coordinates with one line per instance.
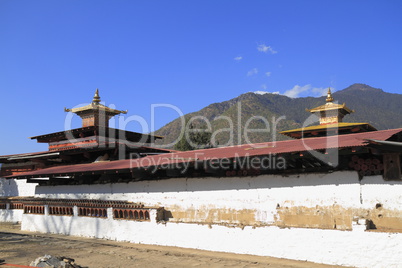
(5, 157)
(231, 152)
(331, 106)
(95, 105)
(330, 126)
(102, 131)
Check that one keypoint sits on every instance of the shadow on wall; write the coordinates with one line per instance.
(8, 187)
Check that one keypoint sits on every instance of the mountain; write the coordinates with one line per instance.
(228, 119)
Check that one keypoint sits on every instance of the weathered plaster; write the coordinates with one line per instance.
(328, 201)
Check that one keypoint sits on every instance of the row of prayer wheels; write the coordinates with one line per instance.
(366, 166)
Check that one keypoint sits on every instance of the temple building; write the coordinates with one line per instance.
(331, 195)
(330, 117)
(94, 141)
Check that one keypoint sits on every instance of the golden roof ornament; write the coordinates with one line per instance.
(95, 113)
(330, 112)
(96, 99)
(329, 96)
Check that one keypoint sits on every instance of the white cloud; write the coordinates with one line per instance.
(268, 74)
(266, 49)
(296, 90)
(252, 72)
(238, 58)
(320, 91)
(308, 90)
(260, 92)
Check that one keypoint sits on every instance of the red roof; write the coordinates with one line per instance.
(23, 154)
(246, 150)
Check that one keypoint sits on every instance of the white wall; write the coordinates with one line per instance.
(260, 194)
(375, 190)
(11, 215)
(11, 187)
(352, 248)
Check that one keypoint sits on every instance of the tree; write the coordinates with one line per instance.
(194, 138)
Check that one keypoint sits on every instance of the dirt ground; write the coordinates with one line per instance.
(19, 247)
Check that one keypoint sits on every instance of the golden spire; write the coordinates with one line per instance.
(96, 98)
(329, 96)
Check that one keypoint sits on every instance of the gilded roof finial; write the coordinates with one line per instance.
(329, 96)
(96, 98)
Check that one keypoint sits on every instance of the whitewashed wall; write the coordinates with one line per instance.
(375, 190)
(263, 194)
(11, 187)
(350, 248)
(11, 215)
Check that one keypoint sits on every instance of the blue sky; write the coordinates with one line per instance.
(54, 54)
